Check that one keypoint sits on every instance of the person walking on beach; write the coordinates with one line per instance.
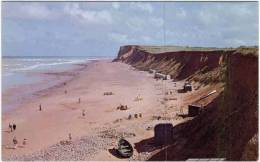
(40, 107)
(24, 142)
(79, 100)
(14, 127)
(70, 137)
(15, 142)
(11, 127)
(83, 113)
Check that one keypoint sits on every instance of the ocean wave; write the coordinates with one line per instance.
(6, 74)
(31, 67)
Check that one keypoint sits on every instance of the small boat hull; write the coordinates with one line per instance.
(125, 149)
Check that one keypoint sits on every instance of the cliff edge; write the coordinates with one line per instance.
(229, 126)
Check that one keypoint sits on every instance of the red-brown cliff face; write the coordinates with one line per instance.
(193, 66)
(230, 123)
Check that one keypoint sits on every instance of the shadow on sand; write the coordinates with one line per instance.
(115, 153)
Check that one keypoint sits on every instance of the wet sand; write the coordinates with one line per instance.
(97, 132)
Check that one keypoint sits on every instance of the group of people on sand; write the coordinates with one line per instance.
(15, 142)
(12, 127)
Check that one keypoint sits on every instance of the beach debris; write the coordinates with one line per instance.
(15, 142)
(108, 93)
(171, 98)
(65, 91)
(149, 128)
(125, 149)
(162, 118)
(65, 142)
(11, 127)
(122, 107)
(40, 107)
(136, 115)
(117, 120)
(129, 116)
(140, 115)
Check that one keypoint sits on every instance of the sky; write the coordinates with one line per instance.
(100, 28)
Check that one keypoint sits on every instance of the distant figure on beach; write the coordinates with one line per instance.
(79, 100)
(24, 142)
(83, 113)
(64, 83)
(11, 127)
(15, 142)
(40, 107)
(14, 127)
(70, 137)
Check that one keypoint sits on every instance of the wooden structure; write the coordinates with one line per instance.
(151, 71)
(163, 133)
(187, 87)
(160, 76)
(194, 109)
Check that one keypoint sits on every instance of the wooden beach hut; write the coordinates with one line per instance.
(194, 109)
(163, 133)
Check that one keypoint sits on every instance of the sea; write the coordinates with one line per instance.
(22, 71)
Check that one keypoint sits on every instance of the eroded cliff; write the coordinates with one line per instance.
(229, 125)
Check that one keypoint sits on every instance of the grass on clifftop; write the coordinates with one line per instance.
(163, 49)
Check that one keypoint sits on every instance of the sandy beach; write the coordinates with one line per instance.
(96, 133)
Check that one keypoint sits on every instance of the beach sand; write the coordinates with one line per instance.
(98, 131)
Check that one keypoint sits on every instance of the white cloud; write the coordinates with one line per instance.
(144, 6)
(115, 5)
(87, 16)
(157, 21)
(135, 23)
(181, 13)
(120, 38)
(29, 11)
(146, 39)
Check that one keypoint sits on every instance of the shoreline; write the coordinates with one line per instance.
(48, 80)
(62, 114)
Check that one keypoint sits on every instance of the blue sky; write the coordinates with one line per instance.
(99, 28)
